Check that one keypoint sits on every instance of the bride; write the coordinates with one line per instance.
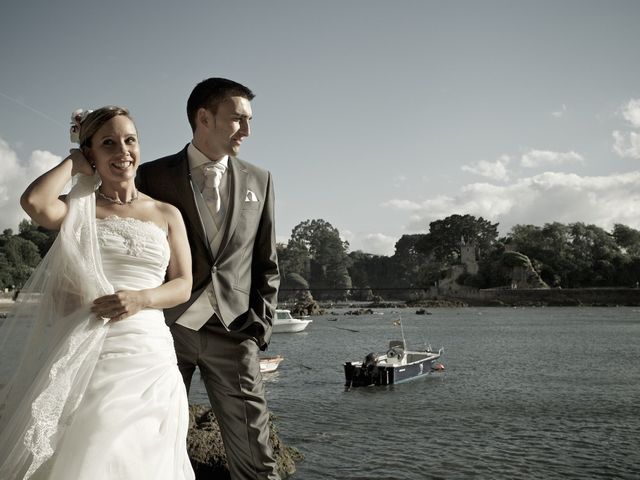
(97, 393)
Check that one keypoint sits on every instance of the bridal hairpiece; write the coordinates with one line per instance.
(77, 117)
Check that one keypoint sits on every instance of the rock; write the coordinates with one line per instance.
(307, 309)
(360, 311)
(436, 303)
(206, 450)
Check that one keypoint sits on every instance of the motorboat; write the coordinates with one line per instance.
(395, 366)
(285, 323)
(269, 364)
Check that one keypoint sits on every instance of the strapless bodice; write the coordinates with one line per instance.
(135, 253)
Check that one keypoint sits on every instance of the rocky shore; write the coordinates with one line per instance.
(498, 297)
(206, 450)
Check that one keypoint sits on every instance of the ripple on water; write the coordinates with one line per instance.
(527, 393)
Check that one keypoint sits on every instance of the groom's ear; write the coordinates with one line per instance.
(203, 117)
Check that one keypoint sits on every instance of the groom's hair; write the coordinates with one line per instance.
(210, 93)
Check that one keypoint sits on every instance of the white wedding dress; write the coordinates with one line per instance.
(132, 421)
(81, 399)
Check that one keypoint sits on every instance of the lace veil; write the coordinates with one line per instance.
(50, 342)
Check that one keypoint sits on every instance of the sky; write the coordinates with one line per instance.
(378, 117)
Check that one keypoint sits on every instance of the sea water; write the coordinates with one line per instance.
(527, 393)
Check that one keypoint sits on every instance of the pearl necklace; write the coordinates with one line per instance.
(115, 200)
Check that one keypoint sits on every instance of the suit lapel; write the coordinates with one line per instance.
(237, 194)
(180, 179)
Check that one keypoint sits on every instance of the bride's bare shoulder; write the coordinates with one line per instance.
(159, 212)
(169, 213)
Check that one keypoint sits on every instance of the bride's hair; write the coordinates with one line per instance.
(96, 119)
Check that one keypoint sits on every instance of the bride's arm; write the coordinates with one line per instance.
(175, 291)
(42, 201)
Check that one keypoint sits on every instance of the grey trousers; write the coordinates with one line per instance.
(230, 368)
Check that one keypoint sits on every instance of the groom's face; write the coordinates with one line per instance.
(225, 130)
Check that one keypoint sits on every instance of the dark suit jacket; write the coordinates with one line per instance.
(245, 272)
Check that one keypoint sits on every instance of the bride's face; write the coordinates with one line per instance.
(115, 150)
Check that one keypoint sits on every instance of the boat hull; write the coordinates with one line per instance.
(284, 322)
(359, 375)
(270, 364)
(290, 326)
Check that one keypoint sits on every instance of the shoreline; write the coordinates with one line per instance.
(569, 297)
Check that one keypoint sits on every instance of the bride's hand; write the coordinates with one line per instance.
(120, 305)
(80, 163)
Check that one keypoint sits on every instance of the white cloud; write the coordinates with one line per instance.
(495, 170)
(536, 158)
(540, 199)
(374, 243)
(631, 112)
(626, 145)
(400, 178)
(401, 204)
(379, 244)
(16, 175)
(561, 112)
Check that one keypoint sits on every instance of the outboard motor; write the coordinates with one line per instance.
(369, 361)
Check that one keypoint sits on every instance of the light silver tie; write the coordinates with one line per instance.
(213, 174)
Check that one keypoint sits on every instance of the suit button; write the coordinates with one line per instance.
(214, 269)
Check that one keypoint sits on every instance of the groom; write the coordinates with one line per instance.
(228, 208)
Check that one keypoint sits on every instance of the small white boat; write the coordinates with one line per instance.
(270, 364)
(396, 366)
(285, 323)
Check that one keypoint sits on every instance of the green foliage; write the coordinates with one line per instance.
(444, 237)
(573, 255)
(320, 238)
(627, 238)
(40, 236)
(18, 258)
(6, 277)
(373, 271)
(578, 255)
(492, 269)
(409, 262)
(316, 253)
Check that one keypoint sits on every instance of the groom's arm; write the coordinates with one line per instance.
(265, 275)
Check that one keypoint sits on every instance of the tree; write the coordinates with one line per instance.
(293, 258)
(593, 250)
(40, 236)
(443, 239)
(627, 238)
(370, 272)
(21, 257)
(6, 279)
(549, 246)
(574, 255)
(408, 261)
(326, 253)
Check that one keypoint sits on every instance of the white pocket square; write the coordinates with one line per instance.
(251, 197)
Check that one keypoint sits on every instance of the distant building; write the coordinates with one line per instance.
(468, 256)
(468, 264)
